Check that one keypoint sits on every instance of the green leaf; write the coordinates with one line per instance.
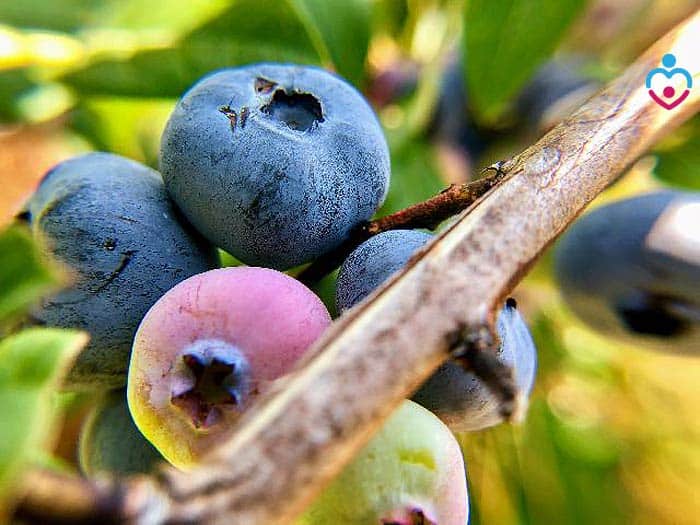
(31, 364)
(228, 260)
(679, 165)
(44, 460)
(325, 289)
(13, 83)
(24, 276)
(248, 31)
(390, 16)
(505, 41)
(341, 30)
(61, 15)
(72, 15)
(135, 134)
(176, 16)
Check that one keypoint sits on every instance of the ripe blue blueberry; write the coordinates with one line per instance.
(110, 221)
(631, 269)
(275, 163)
(111, 443)
(459, 398)
(371, 263)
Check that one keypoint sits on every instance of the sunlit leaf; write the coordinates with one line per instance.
(679, 166)
(248, 31)
(168, 15)
(31, 364)
(505, 41)
(135, 134)
(341, 29)
(64, 15)
(24, 275)
(13, 83)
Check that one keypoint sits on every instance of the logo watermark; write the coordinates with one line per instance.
(669, 98)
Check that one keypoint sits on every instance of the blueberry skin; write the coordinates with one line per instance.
(111, 222)
(275, 163)
(612, 276)
(461, 400)
(371, 263)
(111, 443)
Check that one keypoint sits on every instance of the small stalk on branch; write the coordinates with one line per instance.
(428, 214)
(448, 203)
(299, 436)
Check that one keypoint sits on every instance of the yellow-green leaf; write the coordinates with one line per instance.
(24, 275)
(505, 41)
(31, 365)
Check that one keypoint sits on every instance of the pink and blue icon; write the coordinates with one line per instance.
(669, 99)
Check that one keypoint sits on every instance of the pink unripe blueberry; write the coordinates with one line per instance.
(208, 347)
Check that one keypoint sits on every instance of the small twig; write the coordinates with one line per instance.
(428, 214)
(432, 212)
(53, 498)
(79, 502)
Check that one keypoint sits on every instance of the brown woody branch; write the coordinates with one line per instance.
(300, 436)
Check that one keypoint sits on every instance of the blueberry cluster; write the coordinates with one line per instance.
(277, 165)
(458, 397)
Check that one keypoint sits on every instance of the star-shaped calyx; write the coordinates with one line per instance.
(214, 376)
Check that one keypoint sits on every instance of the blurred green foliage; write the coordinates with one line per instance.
(334, 33)
(12, 84)
(239, 34)
(415, 165)
(505, 41)
(678, 159)
(63, 15)
(24, 276)
(612, 433)
(32, 362)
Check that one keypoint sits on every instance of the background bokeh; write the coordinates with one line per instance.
(612, 434)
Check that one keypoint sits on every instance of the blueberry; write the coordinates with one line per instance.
(461, 400)
(110, 221)
(631, 269)
(456, 396)
(370, 264)
(111, 443)
(275, 163)
(209, 347)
